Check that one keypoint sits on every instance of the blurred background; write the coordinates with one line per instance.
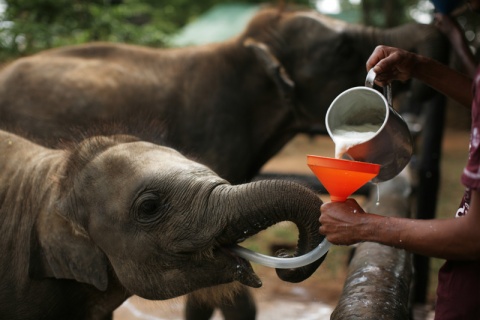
(28, 26)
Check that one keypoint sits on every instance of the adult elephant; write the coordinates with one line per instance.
(85, 228)
(230, 105)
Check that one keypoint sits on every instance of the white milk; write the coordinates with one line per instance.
(347, 136)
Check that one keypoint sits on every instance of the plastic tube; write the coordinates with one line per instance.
(284, 263)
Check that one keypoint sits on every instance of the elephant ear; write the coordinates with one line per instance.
(273, 67)
(58, 250)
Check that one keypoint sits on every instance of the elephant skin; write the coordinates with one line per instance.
(85, 227)
(231, 105)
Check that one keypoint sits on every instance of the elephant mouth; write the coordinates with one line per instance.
(242, 269)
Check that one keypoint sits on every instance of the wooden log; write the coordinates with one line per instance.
(379, 278)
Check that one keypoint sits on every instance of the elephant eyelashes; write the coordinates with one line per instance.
(149, 207)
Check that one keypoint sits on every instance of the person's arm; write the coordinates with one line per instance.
(455, 238)
(452, 30)
(396, 64)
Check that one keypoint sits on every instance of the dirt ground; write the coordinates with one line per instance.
(316, 297)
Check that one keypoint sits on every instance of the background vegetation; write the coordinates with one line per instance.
(28, 26)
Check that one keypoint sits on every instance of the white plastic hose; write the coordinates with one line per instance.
(284, 263)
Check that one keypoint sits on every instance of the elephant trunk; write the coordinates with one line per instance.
(256, 206)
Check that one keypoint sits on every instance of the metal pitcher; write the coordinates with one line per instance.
(391, 146)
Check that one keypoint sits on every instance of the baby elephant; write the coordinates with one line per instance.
(84, 228)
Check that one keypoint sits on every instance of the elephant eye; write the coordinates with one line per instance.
(149, 207)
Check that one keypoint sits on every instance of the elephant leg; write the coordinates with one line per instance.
(242, 307)
(195, 310)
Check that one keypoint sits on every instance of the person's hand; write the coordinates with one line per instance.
(391, 64)
(340, 221)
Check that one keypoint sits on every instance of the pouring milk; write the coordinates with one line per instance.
(347, 136)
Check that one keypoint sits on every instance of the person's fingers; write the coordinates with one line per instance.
(377, 55)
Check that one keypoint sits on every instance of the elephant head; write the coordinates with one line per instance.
(312, 58)
(160, 223)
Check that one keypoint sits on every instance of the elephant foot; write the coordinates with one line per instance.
(195, 310)
(241, 307)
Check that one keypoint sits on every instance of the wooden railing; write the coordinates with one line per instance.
(379, 278)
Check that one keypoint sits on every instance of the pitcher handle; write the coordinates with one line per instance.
(387, 90)
(370, 80)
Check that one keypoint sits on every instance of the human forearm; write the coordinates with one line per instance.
(441, 238)
(396, 64)
(467, 58)
(449, 82)
(454, 32)
(455, 238)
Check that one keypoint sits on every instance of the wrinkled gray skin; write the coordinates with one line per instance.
(230, 105)
(83, 229)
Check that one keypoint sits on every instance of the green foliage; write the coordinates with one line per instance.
(29, 26)
(44, 24)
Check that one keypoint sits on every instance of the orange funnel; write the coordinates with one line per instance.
(341, 177)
